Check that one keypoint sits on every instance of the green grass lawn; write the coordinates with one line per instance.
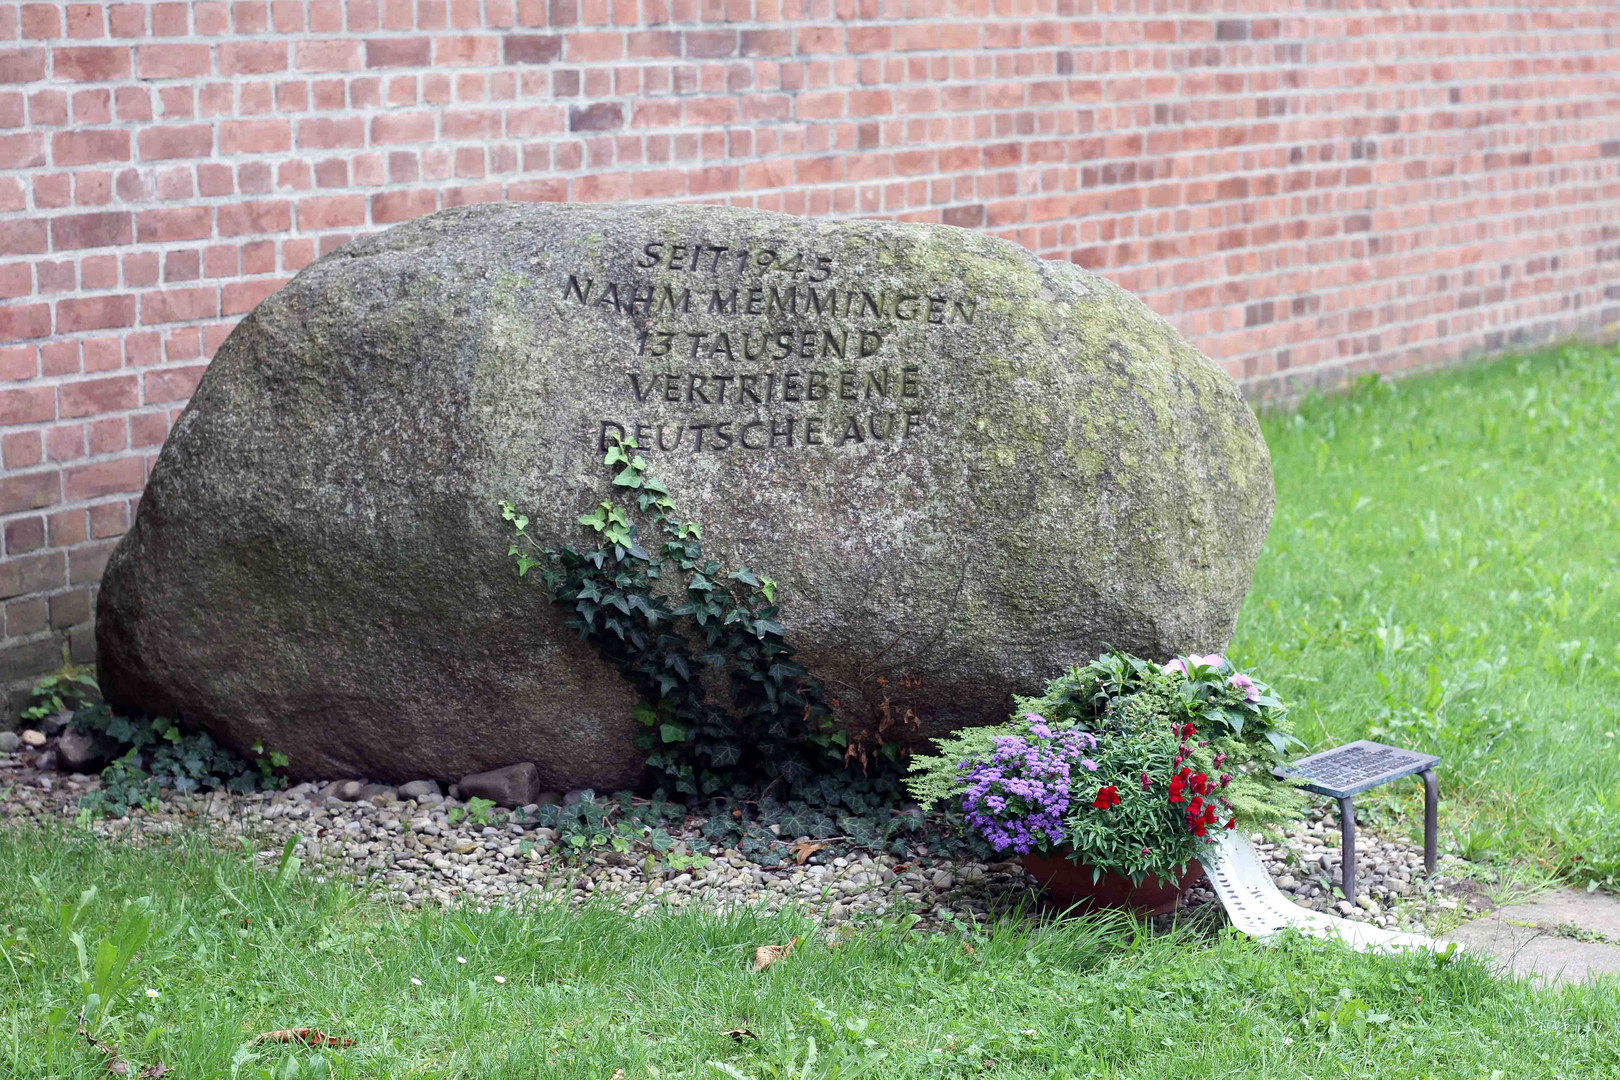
(585, 994)
(1441, 573)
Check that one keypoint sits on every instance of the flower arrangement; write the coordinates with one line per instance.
(1122, 765)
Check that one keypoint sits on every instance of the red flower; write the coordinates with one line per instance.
(1188, 731)
(1232, 824)
(1147, 782)
(1108, 796)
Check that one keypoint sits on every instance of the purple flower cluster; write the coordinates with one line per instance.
(1020, 792)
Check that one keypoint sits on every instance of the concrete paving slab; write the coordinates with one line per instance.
(1560, 937)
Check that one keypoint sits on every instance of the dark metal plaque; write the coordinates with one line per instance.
(1353, 768)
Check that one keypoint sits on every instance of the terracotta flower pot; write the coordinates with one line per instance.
(1069, 884)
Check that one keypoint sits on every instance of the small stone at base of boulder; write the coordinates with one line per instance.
(9, 741)
(82, 752)
(512, 785)
(347, 790)
(417, 788)
(30, 737)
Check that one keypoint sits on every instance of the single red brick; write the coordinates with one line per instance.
(23, 237)
(403, 127)
(98, 271)
(392, 206)
(90, 63)
(255, 137)
(22, 65)
(252, 57)
(48, 108)
(171, 20)
(179, 305)
(338, 54)
(127, 20)
(76, 231)
(20, 321)
(103, 354)
(599, 116)
(104, 478)
(20, 449)
(96, 397)
(168, 225)
(24, 535)
(36, 573)
(549, 190)
(27, 405)
(94, 313)
(85, 20)
(709, 44)
(466, 50)
(23, 150)
(92, 107)
(16, 279)
(107, 436)
(331, 212)
(220, 260)
(259, 257)
(106, 519)
(18, 362)
(166, 143)
(67, 527)
(29, 491)
(173, 61)
(59, 358)
(399, 52)
(65, 442)
(41, 21)
(326, 132)
(531, 48)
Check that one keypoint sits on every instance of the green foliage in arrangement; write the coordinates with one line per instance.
(1121, 765)
(643, 606)
(158, 753)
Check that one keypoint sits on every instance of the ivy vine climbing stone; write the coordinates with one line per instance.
(962, 467)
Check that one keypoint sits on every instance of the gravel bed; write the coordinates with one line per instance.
(408, 849)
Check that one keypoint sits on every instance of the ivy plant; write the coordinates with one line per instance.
(660, 611)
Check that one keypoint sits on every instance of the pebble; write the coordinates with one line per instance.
(30, 737)
(408, 849)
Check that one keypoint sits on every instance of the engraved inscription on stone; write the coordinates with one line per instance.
(762, 350)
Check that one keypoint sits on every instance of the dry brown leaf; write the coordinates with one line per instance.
(803, 850)
(739, 1034)
(970, 950)
(618, 1074)
(766, 955)
(153, 1072)
(307, 1036)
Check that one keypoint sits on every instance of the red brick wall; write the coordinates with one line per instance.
(1306, 188)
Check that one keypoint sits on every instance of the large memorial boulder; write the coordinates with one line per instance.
(966, 468)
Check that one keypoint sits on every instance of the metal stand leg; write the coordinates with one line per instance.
(1431, 814)
(1347, 848)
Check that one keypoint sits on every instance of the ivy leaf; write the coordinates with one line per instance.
(628, 477)
(672, 733)
(745, 576)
